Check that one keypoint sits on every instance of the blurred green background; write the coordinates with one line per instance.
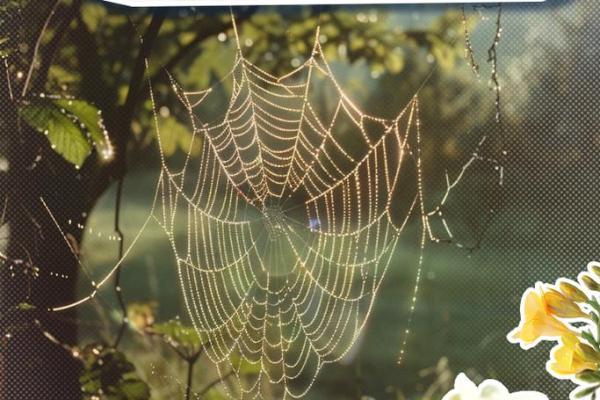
(546, 213)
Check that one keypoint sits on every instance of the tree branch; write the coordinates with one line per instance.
(200, 36)
(190, 373)
(214, 383)
(135, 84)
(118, 291)
(139, 68)
(36, 48)
(49, 50)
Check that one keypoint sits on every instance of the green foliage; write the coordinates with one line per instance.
(183, 339)
(244, 367)
(8, 9)
(24, 306)
(176, 136)
(108, 374)
(73, 127)
(187, 343)
(141, 315)
(88, 115)
(207, 65)
(586, 392)
(4, 49)
(63, 133)
(589, 376)
(92, 15)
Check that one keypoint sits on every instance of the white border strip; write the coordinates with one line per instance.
(176, 3)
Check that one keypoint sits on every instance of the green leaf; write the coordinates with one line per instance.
(394, 62)
(109, 375)
(26, 306)
(135, 390)
(590, 339)
(92, 15)
(178, 334)
(174, 135)
(4, 49)
(73, 127)
(63, 133)
(141, 315)
(589, 376)
(581, 393)
(62, 75)
(91, 118)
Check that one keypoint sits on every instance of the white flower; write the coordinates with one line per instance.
(465, 389)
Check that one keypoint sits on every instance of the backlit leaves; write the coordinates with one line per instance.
(176, 136)
(73, 127)
(181, 337)
(63, 133)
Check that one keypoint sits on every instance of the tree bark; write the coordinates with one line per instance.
(30, 365)
(37, 267)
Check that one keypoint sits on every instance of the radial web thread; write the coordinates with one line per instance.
(291, 220)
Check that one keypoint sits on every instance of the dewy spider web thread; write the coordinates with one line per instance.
(287, 287)
(301, 304)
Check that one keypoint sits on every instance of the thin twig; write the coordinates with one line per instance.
(50, 48)
(37, 47)
(469, 52)
(147, 43)
(118, 291)
(190, 372)
(202, 34)
(493, 59)
(215, 382)
(10, 91)
(139, 69)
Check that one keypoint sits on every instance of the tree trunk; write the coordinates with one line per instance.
(31, 365)
(38, 269)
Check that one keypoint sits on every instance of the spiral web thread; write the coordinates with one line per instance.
(291, 225)
(293, 215)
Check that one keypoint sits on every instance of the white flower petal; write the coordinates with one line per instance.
(465, 386)
(452, 395)
(527, 396)
(490, 389)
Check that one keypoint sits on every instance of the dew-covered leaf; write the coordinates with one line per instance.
(65, 136)
(90, 117)
(178, 334)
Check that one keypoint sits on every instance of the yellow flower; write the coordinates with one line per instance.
(561, 306)
(572, 357)
(590, 282)
(594, 267)
(572, 291)
(537, 321)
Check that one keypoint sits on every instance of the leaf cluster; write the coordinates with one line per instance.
(73, 127)
(109, 375)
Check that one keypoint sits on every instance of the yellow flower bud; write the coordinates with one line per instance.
(590, 283)
(595, 269)
(562, 306)
(573, 292)
(572, 357)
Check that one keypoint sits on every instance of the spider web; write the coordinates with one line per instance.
(294, 209)
(291, 221)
